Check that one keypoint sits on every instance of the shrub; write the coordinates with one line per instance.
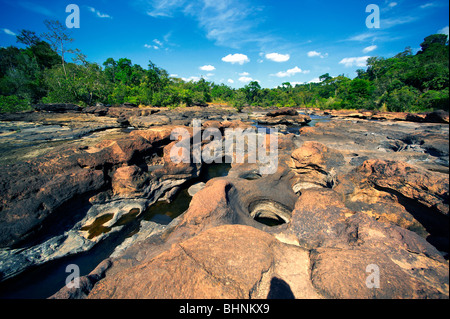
(13, 103)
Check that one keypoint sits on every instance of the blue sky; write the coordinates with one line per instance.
(236, 41)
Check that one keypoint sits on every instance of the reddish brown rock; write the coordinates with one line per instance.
(318, 217)
(215, 264)
(428, 188)
(128, 180)
(31, 191)
(408, 266)
(283, 111)
(315, 165)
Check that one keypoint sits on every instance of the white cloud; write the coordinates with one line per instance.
(159, 43)
(245, 79)
(207, 68)
(392, 4)
(8, 32)
(370, 48)
(244, 74)
(277, 57)
(289, 72)
(151, 46)
(355, 61)
(230, 81)
(444, 30)
(98, 13)
(315, 80)
(312, 54)
(427, 5)
(392, 22)
(236, 58)
(228, 22)
(191, 78)
(362, 36)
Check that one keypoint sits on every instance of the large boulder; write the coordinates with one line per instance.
(438, 116)
(314, 165)
(58, 107)
(283, 111)
(375, 260)
(215, 264)
(428, 188)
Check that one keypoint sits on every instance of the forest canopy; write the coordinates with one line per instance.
(40, 73)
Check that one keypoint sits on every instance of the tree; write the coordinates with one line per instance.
(58, 37)
(239, 100)
(157, 77)
(325, 77)
(110, 69)
(440, 39)
(124, 70)
(27, 37)
(251, 91)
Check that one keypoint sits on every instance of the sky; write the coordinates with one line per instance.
(237, 41)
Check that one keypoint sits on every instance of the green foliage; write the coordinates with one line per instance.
(13, 103)
(239, 100)
(40, 73)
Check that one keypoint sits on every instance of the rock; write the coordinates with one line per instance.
(347, 194)
(361, 114)
(439, 116)
(128, 104)
(401, 194)
(194, 189)
(213, 263)
(342, 274)
(58, 107)
(315, 165)
(31, 192)
(123, 121)
(408, 266)
(86, 283)
(210, 266)
(283, 111)
(298, 119)
(99, 110)
(148, 121)
(428, 188)
(415, 117)
(318, 217)
(128, 180)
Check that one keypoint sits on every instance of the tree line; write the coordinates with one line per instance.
(40, 73)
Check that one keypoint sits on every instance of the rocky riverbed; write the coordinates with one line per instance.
(355, 190)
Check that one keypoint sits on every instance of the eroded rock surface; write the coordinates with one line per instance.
(326, 247)
(349, 195)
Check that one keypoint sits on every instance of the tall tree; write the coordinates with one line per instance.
(27, 37)
(59, 38)
(433, 39)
